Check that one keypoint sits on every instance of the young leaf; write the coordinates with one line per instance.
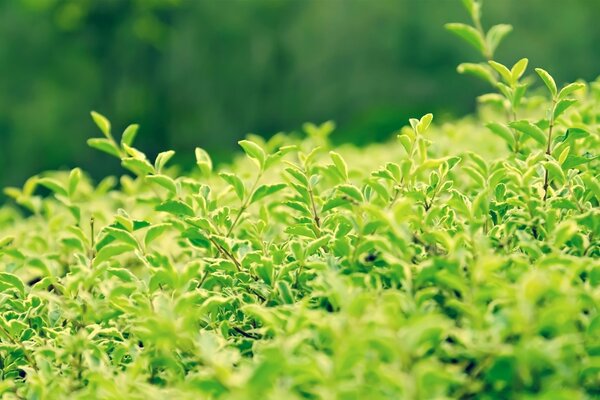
(155, 231)
(530, 130)
(104, 145)
(481, 71)
(162, 159)
(133, 152)
(563, 155)
(6, 240)
(254, 151)
(569, 89)
(266, 190)
(121, 235)
(138, 166)
(203, 161)
(285, 292)
(564, 232)
(469, 34)
(548, 81)
(562, 106)
(8, 280)
(518, 69)
(176, 207)
(110, 251)
(352, 192)
(129, 134)
(235, 182)
(495, 36)
(53, 185)
(102, 123)
(502, 131)
(424, 123)
(164, 181)
(502, 70)
(74, 178)
(555, 171)
(298, 175)
(340, 164)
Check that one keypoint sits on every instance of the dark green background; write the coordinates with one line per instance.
(205, 73)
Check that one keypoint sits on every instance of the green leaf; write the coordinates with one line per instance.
(104, 145)
(321, 131)
(573, 161)
(495, 35)
(555, 172)
(122, 274)
(300, 230)
(235, 182)
(352, 192)
(266, 190)
(469, 34)
(316, 244)
(424, 123)
(197, 238)
(137, 166)
(530, 130)
(110, 251)
(562, 106)
(176, 207)
(340, 164)
(162, 159)
(53, 185)
(156, 231)
(121, 235)
(203, 161)
(298, 175)
(469, 6)
(254, 151)
(548, 81)
(74, 178)
(102, 123)
(503, 131)
(129, 134)
(334, 203)
(285, 292)
(569, 89)
(503, 71)
(6, 241)
(564, 232)
(8, 280)
(481, 71)
(563, 155)
(133, 152)
(164, 181)
(518, 69)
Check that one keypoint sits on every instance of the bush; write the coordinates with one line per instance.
(459, 261)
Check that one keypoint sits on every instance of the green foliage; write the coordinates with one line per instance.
(449, 263)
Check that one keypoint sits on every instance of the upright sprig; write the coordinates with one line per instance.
(256, 192)
(512, 89)
(484, 42)
(559, 103)
(508, 81)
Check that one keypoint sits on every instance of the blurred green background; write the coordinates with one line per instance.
(206, 72)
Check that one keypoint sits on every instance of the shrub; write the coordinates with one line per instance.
(451, 263)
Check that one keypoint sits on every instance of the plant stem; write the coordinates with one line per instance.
(226, 253)
(549, 148)
(244, 205)
(18, 343)
(314, 208)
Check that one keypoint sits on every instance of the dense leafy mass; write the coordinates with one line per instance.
(458, 261)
